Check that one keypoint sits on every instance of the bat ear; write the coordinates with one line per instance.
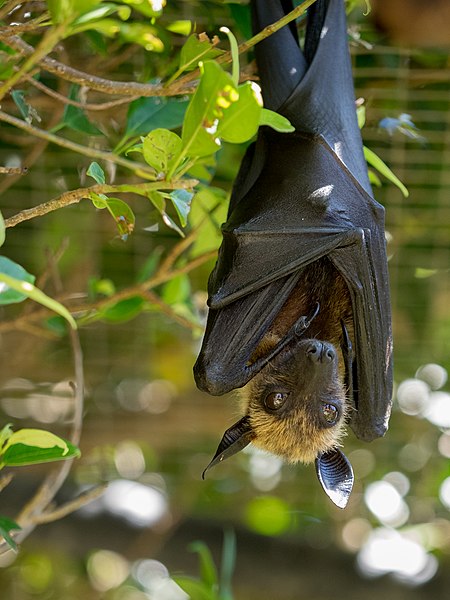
(335, 474)
(234, 439)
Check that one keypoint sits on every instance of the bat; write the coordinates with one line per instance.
(299, 306)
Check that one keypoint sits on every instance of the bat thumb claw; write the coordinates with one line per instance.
(234, 439)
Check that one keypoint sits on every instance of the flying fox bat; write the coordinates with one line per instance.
(299, 309)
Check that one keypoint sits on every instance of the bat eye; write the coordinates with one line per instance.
(275, 400)
(330, 414)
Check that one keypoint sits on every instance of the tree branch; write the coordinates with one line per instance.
(75, 196)
(78, 148)
(130, 88)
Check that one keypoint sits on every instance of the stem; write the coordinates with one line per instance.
(139, 168)
(75, 196)
(46, 45)
(126, 88)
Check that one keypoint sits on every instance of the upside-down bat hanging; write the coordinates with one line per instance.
(299, 309)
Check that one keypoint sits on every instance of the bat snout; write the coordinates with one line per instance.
(320, 352)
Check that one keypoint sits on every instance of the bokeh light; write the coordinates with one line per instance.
(444, 492)
(388, 551)
(386, 504)
(268, 515)
(434, 375)
(154, 578)
(107, 570)
(138, 504)
(265, 469)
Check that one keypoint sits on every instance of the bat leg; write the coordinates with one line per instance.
(296, 331)
(335, 474)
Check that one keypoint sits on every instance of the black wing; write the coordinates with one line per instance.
(300, 197)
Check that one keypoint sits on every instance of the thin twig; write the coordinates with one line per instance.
(47, 43)
(69, 507)
(78, 148)
(134, 290)
(126, 88)
(169, 311)
(29, 516)
(5, 480)
(13, 170)
(9, 7)
(85, 106)
(75, 196)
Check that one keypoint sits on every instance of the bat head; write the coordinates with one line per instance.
(296, 408)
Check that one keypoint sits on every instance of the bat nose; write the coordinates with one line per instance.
(322, 352)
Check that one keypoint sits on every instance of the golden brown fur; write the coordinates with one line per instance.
(298, 434)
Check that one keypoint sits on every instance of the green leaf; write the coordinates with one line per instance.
(6, 526)
(209, 210)
(100, 201)
(196, 49)
(149, 8)
(181, 199)
(149, 266)
(240, 121)
(143, 34)
(99, 12)
(96, 172)
(29, 290)
(161, 149)
(146, 114)
(361, 115)
(75, 118)
(195, 589)
(276, 121)
(22, 105)
(9, 295)
(242, 18)
(375, 161)
(374, 179)
(124, 310)
(32, 446)
(183, 27)
(158, 201)
(214, 95)
(123, 215)
(208, 572)
(228, 564)
(234, 49)
(177, 290)
(2, 230)
(5, 434)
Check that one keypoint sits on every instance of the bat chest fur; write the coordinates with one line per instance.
(321, 283)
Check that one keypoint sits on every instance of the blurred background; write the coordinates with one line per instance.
(149, 433)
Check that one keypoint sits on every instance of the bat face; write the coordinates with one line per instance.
(296, 405)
